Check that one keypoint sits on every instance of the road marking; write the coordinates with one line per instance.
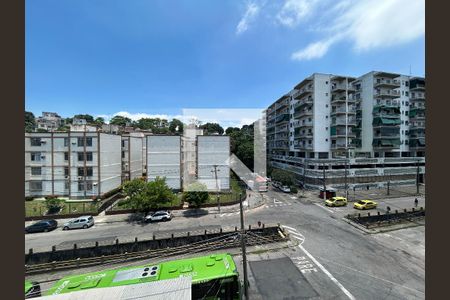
(343, 289)
(275, 201)
(321, 206)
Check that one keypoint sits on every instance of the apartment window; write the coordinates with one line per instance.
(326, 82)
(35, 141)
(403, 122)
(84, 186)
(66, 171)
(66, 142)
(406, 122)
(81, 141)
(403, 93)
(406, 93)
(309, 142)
(66, 185)
(326, 94)
(326, 105)
(403, 82)
(35, 156)
(88, 171)
(326, 128)
(36, 170)
(326, 140)
(81, 156)
(309, 119)
(66, 156)
(36, 186)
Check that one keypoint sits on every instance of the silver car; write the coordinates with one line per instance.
(81, 222)
(159, 216)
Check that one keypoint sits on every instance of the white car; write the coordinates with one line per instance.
(285, 189)
(81, 222)
(159, 216)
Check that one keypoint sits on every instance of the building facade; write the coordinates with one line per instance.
(71, 164)
(213, 166)
(132, 156)
(368, 128)
(49, 121)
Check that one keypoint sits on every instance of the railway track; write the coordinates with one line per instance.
(230, 241)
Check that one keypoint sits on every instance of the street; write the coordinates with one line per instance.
(332, 259)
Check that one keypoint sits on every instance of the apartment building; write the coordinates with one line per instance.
(163, 159)
(368, 128)
(132, 156)
(213, 167)
(49, 121)
(71, 164)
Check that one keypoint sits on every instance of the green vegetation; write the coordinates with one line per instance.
(196, 194)
(212, 128)
(39, 208)
(53, 204)
(282, 176)
(146, 196)
(242, 143)
(119, 120)
(30, 122)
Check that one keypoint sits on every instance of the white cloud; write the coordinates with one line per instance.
(249, 16)
(294, 11)
(313, 50)
(369, 24)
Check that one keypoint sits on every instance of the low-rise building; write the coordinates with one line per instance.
(49, 121)
(72, 164)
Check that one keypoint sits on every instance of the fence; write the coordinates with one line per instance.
(387, 219)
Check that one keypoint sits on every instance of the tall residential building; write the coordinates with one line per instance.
(371, 126)
(71, 164)
(49, 121)
(132, 156)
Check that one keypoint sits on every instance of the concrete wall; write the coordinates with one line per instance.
(322, 110)
(164, 159)
(110, 162)
(213, 150)
(135, 152)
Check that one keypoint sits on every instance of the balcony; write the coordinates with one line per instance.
(341, 134)
(298, 94)
(387, 83)
(300, 104)
(342, 110)
(341, 146)
(342, 122)
(282, 118)
(417, 87)
(340, 87)
(385, 143)
(304, 124)
(418, 143)
(303, 113)
(417, 97)
(387, 93)
(337, 100)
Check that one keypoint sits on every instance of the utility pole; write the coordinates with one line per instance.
(388, 184)
(217, 187)
(244, 256)
(417, 178)
(324, 185)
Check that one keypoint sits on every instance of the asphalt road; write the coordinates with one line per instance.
(332, 259)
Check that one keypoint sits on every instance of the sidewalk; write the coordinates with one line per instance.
(253, 200)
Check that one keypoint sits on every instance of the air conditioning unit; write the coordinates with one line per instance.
(66, 177)
(42, 156)
(43, 142)
(80, 178)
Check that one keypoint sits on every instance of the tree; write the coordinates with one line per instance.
(176, 126)
(120, 120)
(196, 194)
(41, 130)
(144, 196)
(53, 204)
(212, 128)
(99, 121)
(231, 130)
(282, 176)
(88, 118)
(30, 122)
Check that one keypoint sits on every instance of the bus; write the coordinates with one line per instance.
(213, 277)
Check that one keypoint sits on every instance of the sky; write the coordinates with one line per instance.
(150, 58)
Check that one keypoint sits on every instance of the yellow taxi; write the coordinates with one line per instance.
(365, 204)
(336, 201)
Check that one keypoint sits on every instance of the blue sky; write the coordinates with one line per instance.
(144, 58)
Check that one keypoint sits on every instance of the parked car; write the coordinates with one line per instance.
(365, 204)
(161, 215)
(42, 226)
(285, 188)
(81, 222)
(336, 201)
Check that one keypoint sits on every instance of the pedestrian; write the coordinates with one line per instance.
(388, 209)
(416, 202)
(259, 223)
